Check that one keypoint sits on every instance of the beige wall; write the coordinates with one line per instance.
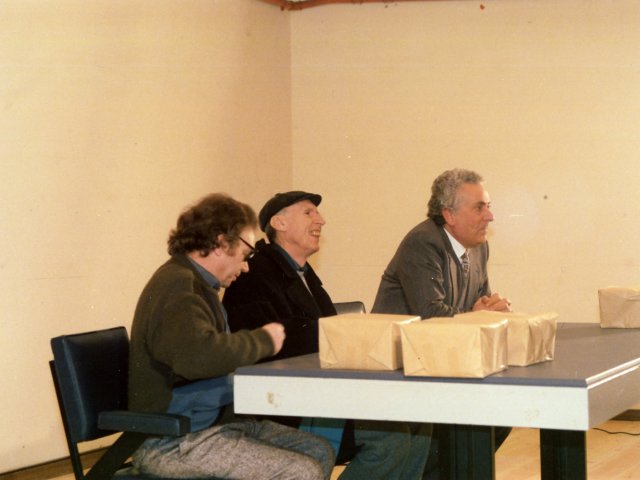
(114, 116)
(541, 97)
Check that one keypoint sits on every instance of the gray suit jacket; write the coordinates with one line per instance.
(425, 276)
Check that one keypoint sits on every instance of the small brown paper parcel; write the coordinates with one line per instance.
(361, 341)
(454, 347)
(619, 307)
(530, 338)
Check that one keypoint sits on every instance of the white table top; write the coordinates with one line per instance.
(594, 376)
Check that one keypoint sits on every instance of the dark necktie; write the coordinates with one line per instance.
(465, 264)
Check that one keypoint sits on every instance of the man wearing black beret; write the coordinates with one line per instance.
(282, 287)
(281, 284)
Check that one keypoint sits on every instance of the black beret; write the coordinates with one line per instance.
(282, 200)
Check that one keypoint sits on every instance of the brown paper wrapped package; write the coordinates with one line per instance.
(530, 338)
(362, 341)
(450, 347)
(619, 307)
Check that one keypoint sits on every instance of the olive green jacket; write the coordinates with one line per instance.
(178, 336)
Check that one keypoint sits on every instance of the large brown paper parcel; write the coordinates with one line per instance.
(619, 307)
(530, 338)
(451, 347)
(362, 341)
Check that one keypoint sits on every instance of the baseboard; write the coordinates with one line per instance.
(53, 469)
(632, 415)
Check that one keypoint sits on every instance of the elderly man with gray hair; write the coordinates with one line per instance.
(440, 267)
(282, 287)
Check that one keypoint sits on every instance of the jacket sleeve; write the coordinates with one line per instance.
(421, 268)
(269, 294)
(485, 289)
(188, 338)
(250, 303)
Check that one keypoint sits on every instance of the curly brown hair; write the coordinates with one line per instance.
(199, 226)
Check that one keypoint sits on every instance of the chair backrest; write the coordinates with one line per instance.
(349, 307)
(90, 371)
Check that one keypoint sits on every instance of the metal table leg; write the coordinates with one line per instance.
(563, 455)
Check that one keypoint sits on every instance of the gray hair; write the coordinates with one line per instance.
(270, 231)
(444, 191)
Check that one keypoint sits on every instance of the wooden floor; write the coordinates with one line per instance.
(609, 456)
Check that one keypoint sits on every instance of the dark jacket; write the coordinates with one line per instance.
(272, 291)
(425, 276)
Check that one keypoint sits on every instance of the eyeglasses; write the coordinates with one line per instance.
(252, 252)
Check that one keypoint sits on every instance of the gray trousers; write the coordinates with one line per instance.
(243, 449)
(389, 451)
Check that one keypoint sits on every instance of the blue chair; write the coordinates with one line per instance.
(349, 307)
(90, 373)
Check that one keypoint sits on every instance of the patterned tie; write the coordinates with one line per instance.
(464, 258)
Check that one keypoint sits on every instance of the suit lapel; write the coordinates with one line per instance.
(456, 276)
(216, 306)
(300, 296)
(296, 291)
(210, 295)
(474, 273)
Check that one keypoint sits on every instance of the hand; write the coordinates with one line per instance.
(493, 303)
(276, 332)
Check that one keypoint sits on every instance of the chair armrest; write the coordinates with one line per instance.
(151, 423)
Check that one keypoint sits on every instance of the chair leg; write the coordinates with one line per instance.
(116, 456)
(74, 454)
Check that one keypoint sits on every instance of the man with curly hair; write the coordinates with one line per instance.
(182, 353)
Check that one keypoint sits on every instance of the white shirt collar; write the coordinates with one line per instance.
(457, 246)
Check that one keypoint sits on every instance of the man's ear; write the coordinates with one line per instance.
(223, 245)
(278, 223)
(448, 216)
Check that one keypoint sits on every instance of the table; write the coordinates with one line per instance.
(594, 376)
